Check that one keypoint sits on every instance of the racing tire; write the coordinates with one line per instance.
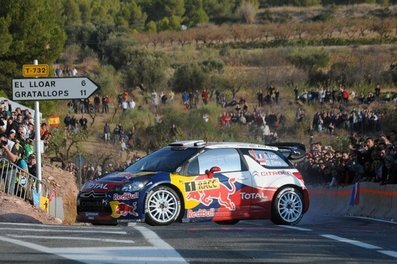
(227, 222)
(162, 206)
(287, 207)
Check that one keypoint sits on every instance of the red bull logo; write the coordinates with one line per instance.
(125, 196)
(205, 190)
(122, 209)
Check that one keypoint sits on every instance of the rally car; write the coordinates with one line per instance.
(194, 181)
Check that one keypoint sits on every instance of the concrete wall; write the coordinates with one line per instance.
(377, 201)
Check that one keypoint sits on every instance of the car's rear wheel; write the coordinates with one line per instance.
(227, 222)
(162, 206)
(287, 207)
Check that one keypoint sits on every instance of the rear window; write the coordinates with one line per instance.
(227, 159)
(268, 158)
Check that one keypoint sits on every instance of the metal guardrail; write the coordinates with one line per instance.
(18, 182)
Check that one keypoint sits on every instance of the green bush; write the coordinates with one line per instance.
(138, 118)
(107, 78)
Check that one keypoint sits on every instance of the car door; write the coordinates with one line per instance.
(267, 167)
(219, 190)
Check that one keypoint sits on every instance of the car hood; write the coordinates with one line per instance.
(112, 180)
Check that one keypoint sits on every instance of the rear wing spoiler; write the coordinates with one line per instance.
(292, 151)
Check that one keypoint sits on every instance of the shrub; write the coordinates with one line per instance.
(138, 118)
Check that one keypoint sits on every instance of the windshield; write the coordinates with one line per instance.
(164, 159)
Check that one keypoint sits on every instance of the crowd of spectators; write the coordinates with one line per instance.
(372, 159)
(355, 120)
(343, 95)
(17, 135)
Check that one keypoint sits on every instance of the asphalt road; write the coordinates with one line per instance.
(317, 239)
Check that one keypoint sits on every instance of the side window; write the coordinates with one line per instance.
(226, 159)
(268, 158)
(193, 167)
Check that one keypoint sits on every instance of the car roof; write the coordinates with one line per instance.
(213, 145)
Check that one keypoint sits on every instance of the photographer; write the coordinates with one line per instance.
(10, 154)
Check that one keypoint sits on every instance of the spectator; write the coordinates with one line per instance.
(155, 99)
(32, 164)
(97, 103)
(106, 132)
(174, 133)
(171, 96)
(132, 103)
(163, 97)
(185, 99)
(105, 104)
(11, 154)
(389, 171)
(83, 123)
(277, 96)
(205, 96)
(265, 133)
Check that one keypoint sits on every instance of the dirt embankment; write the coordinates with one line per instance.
(13, 209)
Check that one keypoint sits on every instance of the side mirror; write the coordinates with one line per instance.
(210, 172)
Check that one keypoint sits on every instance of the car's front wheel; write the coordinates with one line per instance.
(287, 207)
(162, 206)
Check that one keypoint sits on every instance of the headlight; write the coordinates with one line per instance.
(134, 186)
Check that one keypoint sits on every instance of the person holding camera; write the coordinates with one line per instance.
(10, 154)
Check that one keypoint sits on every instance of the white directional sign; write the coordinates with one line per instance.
(52, 88)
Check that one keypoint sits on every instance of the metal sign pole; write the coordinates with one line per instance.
(37, 139)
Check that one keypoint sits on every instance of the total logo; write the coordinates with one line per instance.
(92, 185)
(253, 196)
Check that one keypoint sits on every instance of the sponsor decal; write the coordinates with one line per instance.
(122, 209)
(275, 173)
(205, 190)
(93, 185)
(258, 156)
(125, 196)
(255, 195)
(201, 213)
(202, 185)
(89, 214)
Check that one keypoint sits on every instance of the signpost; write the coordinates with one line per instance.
(53, 88)
(36, 89)
(32, 70)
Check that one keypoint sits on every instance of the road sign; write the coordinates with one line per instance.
(52, 88)
(31, 70)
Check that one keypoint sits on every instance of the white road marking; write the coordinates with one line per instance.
(75, 238)
(153, 238)
(81, 226)
(390, 253)
(350, 241)
(104, 255)
(373, 219)
(96, 231)
(161, 252)
(298, 228)
(163, 248)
